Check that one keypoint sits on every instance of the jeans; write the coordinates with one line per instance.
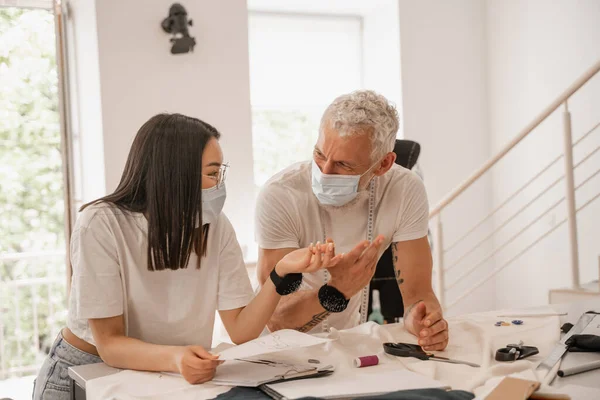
(53, 382)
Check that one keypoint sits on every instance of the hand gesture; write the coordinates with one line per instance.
(428, 325)
(309, 259)
(355, 270)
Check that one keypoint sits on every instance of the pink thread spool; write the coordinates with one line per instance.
(366, 361)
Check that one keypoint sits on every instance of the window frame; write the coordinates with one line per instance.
(60, 17)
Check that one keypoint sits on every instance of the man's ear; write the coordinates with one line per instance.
(386, 163)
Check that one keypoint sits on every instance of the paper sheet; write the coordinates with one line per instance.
(286, 339)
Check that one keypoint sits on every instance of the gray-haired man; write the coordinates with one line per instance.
(350, 192)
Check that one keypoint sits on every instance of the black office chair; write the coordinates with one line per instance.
(384, 280)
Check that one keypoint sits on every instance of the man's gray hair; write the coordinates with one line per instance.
(364, 112)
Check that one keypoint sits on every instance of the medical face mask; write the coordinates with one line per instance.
(335, 190)
(213, 200)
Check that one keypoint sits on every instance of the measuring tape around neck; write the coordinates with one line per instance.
(364, 304)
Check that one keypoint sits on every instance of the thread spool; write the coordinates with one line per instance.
(366, 361)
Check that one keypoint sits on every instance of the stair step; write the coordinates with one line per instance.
(587, 291)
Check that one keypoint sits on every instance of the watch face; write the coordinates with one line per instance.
(332, 299)
(336, 304)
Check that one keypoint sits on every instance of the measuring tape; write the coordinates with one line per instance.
(561, 348)
(364, 305)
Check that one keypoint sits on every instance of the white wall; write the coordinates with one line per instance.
(444, 82)
(536, 49)
(139, 77)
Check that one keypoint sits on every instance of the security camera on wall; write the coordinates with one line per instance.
(177, 25)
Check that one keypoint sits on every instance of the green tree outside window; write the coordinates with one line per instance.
(31, 190)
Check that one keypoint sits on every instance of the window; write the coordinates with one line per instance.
(298, 64)
(32, 239)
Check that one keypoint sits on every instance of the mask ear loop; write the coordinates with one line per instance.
(371, 167)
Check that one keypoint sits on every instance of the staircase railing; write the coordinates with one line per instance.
(572, 209)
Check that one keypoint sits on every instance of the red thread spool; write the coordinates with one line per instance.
(366, 361)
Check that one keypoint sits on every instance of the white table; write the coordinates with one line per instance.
(83, 374)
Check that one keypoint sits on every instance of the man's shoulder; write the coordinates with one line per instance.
(400, 179)
(292, 181)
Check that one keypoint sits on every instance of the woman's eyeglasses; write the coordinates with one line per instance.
(220, 175)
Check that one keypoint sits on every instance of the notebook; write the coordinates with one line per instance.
(352, 385)
(254, 372)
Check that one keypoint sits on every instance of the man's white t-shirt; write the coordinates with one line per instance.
(288, 215)
(111, 277)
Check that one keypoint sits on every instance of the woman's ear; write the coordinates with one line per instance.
(386, 163)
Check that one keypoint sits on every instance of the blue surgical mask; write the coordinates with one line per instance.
(213, 200)
(334, 190)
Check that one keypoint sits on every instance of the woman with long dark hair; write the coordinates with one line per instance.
(154, 260)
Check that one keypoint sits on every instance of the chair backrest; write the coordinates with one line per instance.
(407, 152)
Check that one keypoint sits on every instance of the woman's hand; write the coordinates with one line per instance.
(195, 364)
(309, 259)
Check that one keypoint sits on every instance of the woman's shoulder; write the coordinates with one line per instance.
(223, 226)
(223, 233)
(98, 214)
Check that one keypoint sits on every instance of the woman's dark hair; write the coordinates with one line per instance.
(163, 180)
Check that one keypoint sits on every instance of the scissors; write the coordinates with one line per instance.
(414, 350)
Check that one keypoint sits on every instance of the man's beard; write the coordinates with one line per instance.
(361, 196)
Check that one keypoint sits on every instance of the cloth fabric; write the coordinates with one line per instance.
(288, 215)
(420, 394)
(244, 393)
(427, 394)
(111, 277)
(473, 338)
(53, 382)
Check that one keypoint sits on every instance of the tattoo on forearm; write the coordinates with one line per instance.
(409, 308)
(316, 320)
(396, 266)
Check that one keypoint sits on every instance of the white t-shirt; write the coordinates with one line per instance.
(288, 216)
(111, 277)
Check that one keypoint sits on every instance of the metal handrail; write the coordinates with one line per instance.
(523, 251)
(530, 202)
(522, 135)
(568, 177)
(523, 187)
(515, 236)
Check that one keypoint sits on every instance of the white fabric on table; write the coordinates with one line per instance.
(473, 338)
(132, 385)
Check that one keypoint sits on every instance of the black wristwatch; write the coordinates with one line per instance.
(288, 284)
(332, 299)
